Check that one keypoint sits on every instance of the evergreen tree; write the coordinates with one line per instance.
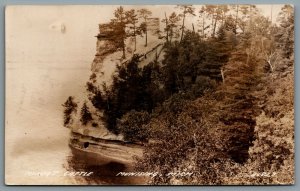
(186, 10)
(185, 62)
(132, 19)
(85, 114)
(118, 28)
(125, 93)
(285, 34)
(202, 19)
(211, 11)
(145, 14)
(70, 107)
(171, 26)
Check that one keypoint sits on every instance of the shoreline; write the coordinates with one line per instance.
(104, 168)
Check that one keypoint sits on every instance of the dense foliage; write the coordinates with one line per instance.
(184, 70)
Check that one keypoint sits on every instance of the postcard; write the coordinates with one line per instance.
(149, 94)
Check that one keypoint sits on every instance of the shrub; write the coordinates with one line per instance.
(131, 125)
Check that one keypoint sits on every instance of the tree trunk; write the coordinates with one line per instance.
(222, 74)
(236, 18)
(212, 21)
(134, 34)
(193, 27)
(250, 16)
(223, 18)
(271, 14)
(123, 48)
(182, 30)
(167, 29)
(146, 37)
(146, 31)
(214, 30)
(203, 27)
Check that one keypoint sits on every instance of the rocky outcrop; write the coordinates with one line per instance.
(105, 150)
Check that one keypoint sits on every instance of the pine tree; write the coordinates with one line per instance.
(285, 35)
(85, 114)
(171, 23)
(132, 19)
(145, 14)
(118, 25)
(186, 10)
(202, 24)
(70, 107)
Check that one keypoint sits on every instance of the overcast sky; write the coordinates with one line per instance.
(34, 33)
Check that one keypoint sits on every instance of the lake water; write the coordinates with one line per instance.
(36, 143)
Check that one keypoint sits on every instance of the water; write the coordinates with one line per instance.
(36, 143)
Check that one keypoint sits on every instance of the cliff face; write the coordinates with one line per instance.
(109, 55)
(94, 138)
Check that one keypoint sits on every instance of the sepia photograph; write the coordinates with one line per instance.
(149, 94)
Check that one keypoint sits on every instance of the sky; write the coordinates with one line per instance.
(34, 33)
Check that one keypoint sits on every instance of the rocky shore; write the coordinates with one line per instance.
(108, 150)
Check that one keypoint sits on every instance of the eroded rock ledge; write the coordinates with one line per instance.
(106, 150)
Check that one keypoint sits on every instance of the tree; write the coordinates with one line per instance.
(285, 34)
(202, 18)
(217, 17)
(118, 25)
(171, 26)
(224, 10)
(186, 10)
(287, 11)
(167, 29)
(126, 93)
(247, 13)
(85, 114)
(132, 19)
(236, 9)
(211, 10)
(185, 62)
(70, 107)
(145, 14)
(131, 125)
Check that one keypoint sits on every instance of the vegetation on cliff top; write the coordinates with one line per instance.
(219, 106)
